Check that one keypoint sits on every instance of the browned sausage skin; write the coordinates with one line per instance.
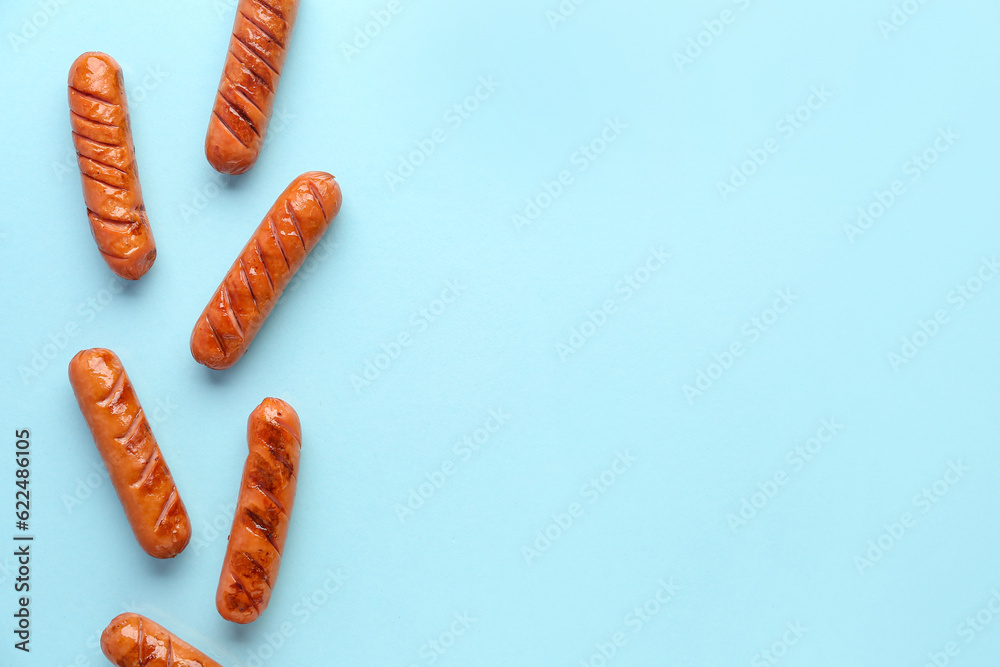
(126, 444)
(260, 526)
(106, 156)
(279, 246)
(131, 640)
(245, 99)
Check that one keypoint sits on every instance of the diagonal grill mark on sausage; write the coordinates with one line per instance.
(92, 120)
(141, 641)
(252, 49)
(277, 240)
(239, 91)
(266, 531)
(133, 427)
(115, 393)
(215, 333)
(172, 500)
(227, 305)
(238, 110)
(111, 222)
(95, 141)
(103, 164)
(257, 566)
(95, 98)
(319, 199)
(111, 254)
(246, 591)
(270, 496)
(295, 223)
(147, 471)
(260, 255)
(246, 281)
(102, 182)
(249, 69)
(231, 130)
(273, 10)
(267, 33)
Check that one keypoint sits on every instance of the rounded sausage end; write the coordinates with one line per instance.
(205, 348)
(329, 190)
(225, 153)
(234, 605)
(119, 635)
(172, 543)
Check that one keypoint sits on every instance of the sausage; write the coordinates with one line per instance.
(134, 461)
(131, 640)
(248, 293)
(245, 98)
(260, 524)
(102, 135)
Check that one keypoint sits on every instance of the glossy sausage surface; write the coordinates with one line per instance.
(260, 525)
(131, 640)
(279, 246)
(134, 461)
(102, 136)
(245, 99)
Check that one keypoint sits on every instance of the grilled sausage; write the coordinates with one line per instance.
(134, 461)
(250, 77)
(102, 135)
(131, 640)
(248, 293)
(260, 525)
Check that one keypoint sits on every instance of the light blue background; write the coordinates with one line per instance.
(391, 252)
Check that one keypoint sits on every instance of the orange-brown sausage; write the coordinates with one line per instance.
(135, 464)
(260, 525)
(245, 98)
(131, 640)
(289, 231)
(103, 138)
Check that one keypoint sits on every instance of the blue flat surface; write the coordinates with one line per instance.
(699, 303)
